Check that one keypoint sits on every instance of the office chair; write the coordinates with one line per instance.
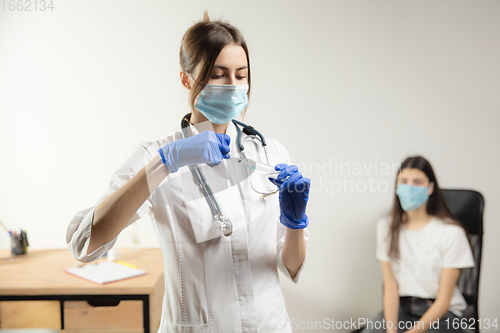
(467, 206)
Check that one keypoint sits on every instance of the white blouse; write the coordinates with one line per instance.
(212, 284)
(423, 255)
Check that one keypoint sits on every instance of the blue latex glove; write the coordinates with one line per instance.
(207, 147)
(294, 193)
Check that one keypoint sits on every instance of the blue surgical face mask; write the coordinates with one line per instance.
(221, 103)
(411, 197)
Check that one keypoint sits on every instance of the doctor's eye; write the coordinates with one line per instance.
(241, 77)
(215, 77)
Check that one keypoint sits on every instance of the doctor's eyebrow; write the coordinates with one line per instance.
(225, 68)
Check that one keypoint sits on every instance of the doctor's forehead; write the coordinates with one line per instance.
(232, 57)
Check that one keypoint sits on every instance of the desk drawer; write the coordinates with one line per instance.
(82, 315)
(30, 314)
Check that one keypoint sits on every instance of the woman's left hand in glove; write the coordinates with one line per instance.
(293, 196)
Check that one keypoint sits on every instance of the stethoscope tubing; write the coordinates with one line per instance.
(200, 177)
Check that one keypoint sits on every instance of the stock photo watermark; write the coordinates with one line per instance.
(336, 176)
(26, 5)
(354, 324)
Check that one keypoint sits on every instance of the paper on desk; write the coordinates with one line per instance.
(105, 272)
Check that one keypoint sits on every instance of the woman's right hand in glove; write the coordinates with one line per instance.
(207, 147)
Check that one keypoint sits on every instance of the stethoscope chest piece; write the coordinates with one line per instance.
(222, 225)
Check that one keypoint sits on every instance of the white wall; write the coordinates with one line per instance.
(342, 84)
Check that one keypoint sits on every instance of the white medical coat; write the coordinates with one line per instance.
(212, 284)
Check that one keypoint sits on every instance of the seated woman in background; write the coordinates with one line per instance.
(421, 248)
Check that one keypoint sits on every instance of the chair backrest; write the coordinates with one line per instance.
(467, 206)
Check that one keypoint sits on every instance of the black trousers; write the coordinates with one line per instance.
(411, 310)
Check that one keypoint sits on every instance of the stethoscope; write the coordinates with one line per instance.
(222, 224)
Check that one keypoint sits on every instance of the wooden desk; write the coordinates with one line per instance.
(40, 275)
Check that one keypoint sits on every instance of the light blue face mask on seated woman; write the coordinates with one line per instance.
(221, 103)
(411, 197)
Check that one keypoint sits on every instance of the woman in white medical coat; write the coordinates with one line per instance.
(213, 282)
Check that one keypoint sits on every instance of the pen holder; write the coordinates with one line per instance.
(19, 243)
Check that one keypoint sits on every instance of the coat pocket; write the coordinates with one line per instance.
(202, 219)
(173, 328)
